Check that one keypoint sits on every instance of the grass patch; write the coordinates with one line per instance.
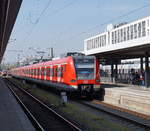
(92, 121)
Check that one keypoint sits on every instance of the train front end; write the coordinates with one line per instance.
(87, 74)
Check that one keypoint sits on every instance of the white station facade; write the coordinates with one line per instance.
(123, 41)
(123, 36)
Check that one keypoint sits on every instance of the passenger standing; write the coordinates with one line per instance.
(137, 78)
(132, 77)
(142, 78)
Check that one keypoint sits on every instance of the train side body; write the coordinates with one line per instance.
(67, 74)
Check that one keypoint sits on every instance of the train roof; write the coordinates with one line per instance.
(57, 61)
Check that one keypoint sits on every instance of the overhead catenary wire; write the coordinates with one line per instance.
(109, 21)
(37, 20)
(42, 13)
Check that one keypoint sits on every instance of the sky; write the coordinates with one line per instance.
(64, 24)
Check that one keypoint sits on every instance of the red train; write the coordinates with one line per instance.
(73, 73)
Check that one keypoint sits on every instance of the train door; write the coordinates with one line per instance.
(63, 79)
(45, 72)
(48, 73)
(42, 72)
(58, 73)
(55, 73)
(51, 73)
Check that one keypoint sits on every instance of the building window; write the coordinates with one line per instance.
(131, 30)
(139, 29)
(98, 41)
(143, 28)
(124, 34)
(115, 37)
(135, 31)
(112, 35)
(105, 40)
(121, 35)
(128, 38)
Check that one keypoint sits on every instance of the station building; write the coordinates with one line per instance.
(122, 41)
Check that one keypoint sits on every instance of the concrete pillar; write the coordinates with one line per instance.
(147, 77)
(116, 71)
(141, 63)
(112, 71)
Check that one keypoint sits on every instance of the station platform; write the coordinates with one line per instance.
(12, 117)
(132, 97)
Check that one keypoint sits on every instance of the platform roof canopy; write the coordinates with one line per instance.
(8, 13)
(122, 41)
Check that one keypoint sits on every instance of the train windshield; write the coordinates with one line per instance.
(84, 68)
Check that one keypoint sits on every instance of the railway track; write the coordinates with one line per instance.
(124, 114)
(42, 116)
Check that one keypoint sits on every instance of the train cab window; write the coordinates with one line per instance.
(84, 68)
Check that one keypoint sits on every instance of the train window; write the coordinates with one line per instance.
(48, 71)
(51, 72)
(34, 71)
(59, 72)
(43, 69)
(147, 31)
(131, 29)
(139, 29)
(135, 31)
(55, 72)
(143, 28)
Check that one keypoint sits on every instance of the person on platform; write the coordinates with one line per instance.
(142, 78)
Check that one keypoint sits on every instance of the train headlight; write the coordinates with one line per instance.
(73, 81)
